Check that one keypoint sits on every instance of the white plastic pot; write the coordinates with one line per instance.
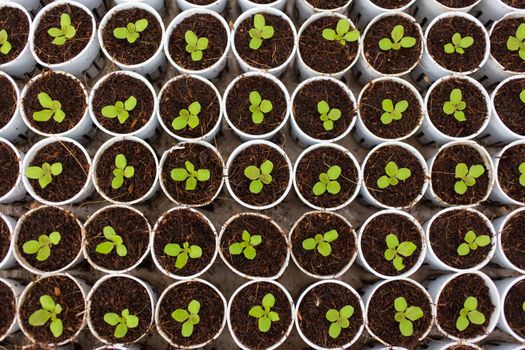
(503, 346)
(120, 347)
(500, 257)
(365, 11)
(428, 10)
(306, 9)
(447, 344)
(18, 191)
(504, 287)
(16, 126)
(9, 260)
(489, 11)
(158, 5)
(246, 5)
(217, 6)
(498, 194)
(16, 289)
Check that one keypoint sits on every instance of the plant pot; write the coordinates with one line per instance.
(372, 245)
(267, 259)
(321, 159)
(7, 256)
(141, 120)
(244, 328)
(311, 309)
(447, 344)
(237, 103)
(255, 153)
(316, 262)
(277, 51)
(246, 5)
(446, 231)
(139, 155)
(504, 346)
(64, 289)
(507, 187)
(157, 5)
(12, 127)
(512, 292)
(510, 240)
(130, 225)
(9, 292)
(375, 125)
(11, 189)
(187, 228)
(490, 11)
(120, 347)
(201, 155)
(308, 8)
(212, 313)
(177, 95)
(365, 11)
(218, 6)
(72, 185)
(428, 10)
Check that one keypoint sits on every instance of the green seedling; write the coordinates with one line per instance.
(189, 318)
(467, 177)
(523, 306)
(472, 242)
(122, 170)
(49, 311)
(521, 169)
(247, 246)
(131, 32)
(321, 242)
(342, 33)
(42, 247)
(259, 176)
(517, 43)
(264, 313)
(393, 175)
(392, 112)
(456, 106)
(122, 323)
(44, 174)
(397, 251)
(5, 45)
(182, 253)
(522, 96)
(405, 315)
(259, 32)
(190, 175)
(113, 241)
(398, 41)
(120, 110)
(459, 44)
(339, 320)
(469, 314)
(195, 45)
(52, 109)
(259, 107)
(64, 33)
(187, 117)
(328, 181)
(328, 115)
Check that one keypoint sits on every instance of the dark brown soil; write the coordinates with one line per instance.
(211, 312)
(143, 48)
(391, 61)
(405, 192)
(274, 51)
(119, 87)
(307, 116)
(271, 252)
(65, 292)
(513, 240)
(509, 107)
(513, 308)
(202, 2)
(519, 4)
(9, 169)
(451, 302)
(318, 161)
(509, 174)
(202, 158)
(5, 240)
(510, 60)
(8, 301)
(132, 227)
(461, 347)
(8, 98)
(391, 4)
(54, 54)
(14, 22)
(182, 226)
(381, 313)
(343, 248)
(238, 104)
(245, 326)
(443, 176)
(204, 25)
(373, 242)
(457, 3)
(311, 314)
(179, 94)
(322, 55)
(328, 4)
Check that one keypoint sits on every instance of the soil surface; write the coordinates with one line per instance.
(510, 60)
(458, 3)
(509, 174)
(8, 301)
(519, 4)
(14, 22)
(9, 168)
(513, 308)
(8, 99)
(391, 4)
(327, 4)
(5, 240)
(509, 107)
(513, 240)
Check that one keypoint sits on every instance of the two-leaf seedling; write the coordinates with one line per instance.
(5, 45)
(396, 251)
(397, 40)
(342, 33)
(189, 318)
(122, 322)
(259, 107)
(328, 115)
(64, 33)
(122, 170)
(339, 320)
(517, 43)
(113, 241)
(469, 314)
(405, 315)
(328, 181)
(247, 246)
(456, 106)
(459, 44)
(120, 110)
(195, 45)
(42, 247)
(393, 175)
(472, 242)
(467, 177)
(131, 32)
(264, 313)
(187, 117)
(45, 173)
(259, 176)
(392, 112)
(321, 242)
(521, 169)
(182, 253)
(52, 109)
(259, 32)
(49, 311)
(190, 175)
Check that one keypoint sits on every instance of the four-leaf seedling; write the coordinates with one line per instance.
(5, 45)
(113, 241)
(459, 44)
(405, 315)
(195, 45)
(469, 314)
(122, 323)
(131, 32)
(122, 170)
(189, 318)
(393, 175)
(44, 174)
(517, 43)
(521, 169)
(321, 242)
(342, 33)
(398, 41)
(120, 110)
(456, 106)
(264, 313)
(182, 253)
(247, 246)
(187, 117)
(339, 320)
(42, 247)
(472, 242)
(49, 311)
(52, 109)
(393, 112)
(259, 107)
(396, 251)
(467, 177)
(259, 176)
(328, 115)
(64, 33)
(190, 175)
(328, 181)
(259, 32)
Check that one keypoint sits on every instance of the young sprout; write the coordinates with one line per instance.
(259, 176)
(259, 107)
(113, 241)
(44, 174)
(399, 40)
(122, 170)
(523, 306)
(467, 176)
(393, 175)
(517, 43)
(190, 175)
(469, 314)
(522, 96)
(188, 318)
(264, 313)
(459, 44)
(122, 323)
(64, 33)
(131, 31)
(328, 116)
(42, 247)
(120, 110)
(472, 242)
(195, 45)
(521, 169)
(321, 242)
(49, 311)
(187, 117)
(392, 112)
(259, 32)
(5, 45)
(405, 315)
(327, 181)
(396, 251)
(52, 109)
(182, 253)
(342, 32)
(339, 320)
(456, 105)
(247, 246)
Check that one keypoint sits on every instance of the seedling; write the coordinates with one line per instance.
(131, 32)
(523, 306)
(339, 320)
(393, 175)
(397, 251)
(472, 242)
(392, 112)
(405, 315)
(259, 107)
(195, 45)
(113, 241)
(459, 44)
(399, 40)
(259, 32)
(5, 45)
(521, 169)
(44, 174)
(469, 314)
(264, 313)
(52, 109)
(187, 117)
(42, 247)
(259, 176)
(64, 33)
(247, 246)
(328, 181)
(328, 115)
(342, 32)
(120, 110)
(517, 43)
(122, 170)
(122, 323)
(182, 253)
(456, 105)
(49, 311)
(467, 176)
(188, 318)
(522, 96)
(190, 175)
(321, 242)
